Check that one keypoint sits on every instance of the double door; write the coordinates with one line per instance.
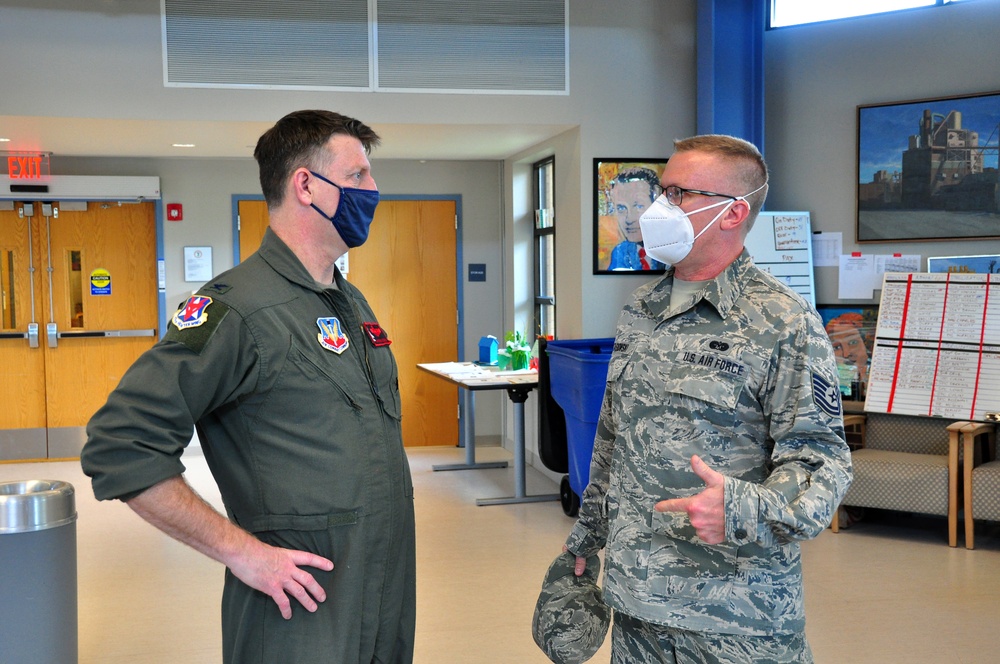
(78, 304)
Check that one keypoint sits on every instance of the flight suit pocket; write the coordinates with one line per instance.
(315, 533)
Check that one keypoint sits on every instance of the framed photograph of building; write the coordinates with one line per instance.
(927, 169)
(623, 189)
(982, 264)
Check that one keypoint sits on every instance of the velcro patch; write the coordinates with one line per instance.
(378, 336)
(196, 337)
(826, 395)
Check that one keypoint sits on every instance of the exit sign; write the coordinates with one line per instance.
(28, 166)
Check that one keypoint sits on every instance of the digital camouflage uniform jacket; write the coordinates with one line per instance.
(295, 394)
(744, 376)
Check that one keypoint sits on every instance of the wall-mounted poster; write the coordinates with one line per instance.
(623, 189)
(852, 333)
(927, 170)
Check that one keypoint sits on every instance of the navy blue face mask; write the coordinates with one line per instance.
(354, 213)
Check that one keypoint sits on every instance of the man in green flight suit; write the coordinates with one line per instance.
(282, 367)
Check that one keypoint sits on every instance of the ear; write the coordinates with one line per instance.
(735, 216)
(300, 186)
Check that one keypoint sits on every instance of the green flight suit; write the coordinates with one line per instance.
(295, 395)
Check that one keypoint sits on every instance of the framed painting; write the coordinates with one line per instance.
(852, 333)
(623, 189)
(927, 169)
(985, 264)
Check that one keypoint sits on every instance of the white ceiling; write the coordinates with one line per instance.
(154, 138)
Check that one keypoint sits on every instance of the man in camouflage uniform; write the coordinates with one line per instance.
(720, 443)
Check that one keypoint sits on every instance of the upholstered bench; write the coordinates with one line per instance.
(906, 463)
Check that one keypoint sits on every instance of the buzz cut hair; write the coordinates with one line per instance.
(749, 170)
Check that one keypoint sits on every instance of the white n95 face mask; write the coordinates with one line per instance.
(667, 233)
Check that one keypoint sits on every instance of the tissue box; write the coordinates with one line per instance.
(488, 350)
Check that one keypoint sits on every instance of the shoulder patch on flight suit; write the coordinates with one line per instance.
(196, 321)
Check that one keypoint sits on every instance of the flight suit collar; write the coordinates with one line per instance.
(721, 292)
(279, 256)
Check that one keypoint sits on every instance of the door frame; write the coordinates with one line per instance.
(459, 263)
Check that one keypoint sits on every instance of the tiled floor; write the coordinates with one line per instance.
(887, 590)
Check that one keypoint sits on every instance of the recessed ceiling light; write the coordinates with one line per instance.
(4, 140)
(183, 145)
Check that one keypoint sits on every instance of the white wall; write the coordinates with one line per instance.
(815, 78)
(632, 91)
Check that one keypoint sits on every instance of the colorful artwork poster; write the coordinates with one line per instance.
(852, 333)
(623, 189)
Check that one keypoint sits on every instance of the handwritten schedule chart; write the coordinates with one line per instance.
(937, 346)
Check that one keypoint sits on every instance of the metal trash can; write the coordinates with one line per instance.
(38, 591)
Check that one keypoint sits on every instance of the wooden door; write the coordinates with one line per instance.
(94, 281)
(407, 272)
(22, 367)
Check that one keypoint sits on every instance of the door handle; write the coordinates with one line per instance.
(52, 333)
(32, 335)
(87, 334)
(13, 335)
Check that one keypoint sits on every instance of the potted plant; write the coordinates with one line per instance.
(519, 350)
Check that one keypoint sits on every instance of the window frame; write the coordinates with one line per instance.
(540, 300)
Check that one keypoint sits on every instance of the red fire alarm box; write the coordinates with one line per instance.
(175, 212)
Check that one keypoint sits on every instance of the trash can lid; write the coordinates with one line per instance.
(31, 505)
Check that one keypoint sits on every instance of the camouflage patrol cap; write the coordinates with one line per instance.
(571, 620)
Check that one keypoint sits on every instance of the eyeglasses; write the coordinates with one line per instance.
(675, 194)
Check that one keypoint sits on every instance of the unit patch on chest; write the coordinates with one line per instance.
(378, 336)
(331, 335)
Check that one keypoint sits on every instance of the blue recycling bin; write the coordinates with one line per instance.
(578, 370)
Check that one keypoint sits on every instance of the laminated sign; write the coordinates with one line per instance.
(100, 282)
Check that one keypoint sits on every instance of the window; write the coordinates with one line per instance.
(543, 173)
(798, 12)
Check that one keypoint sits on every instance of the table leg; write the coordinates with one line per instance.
(518, 395)
(470, 441)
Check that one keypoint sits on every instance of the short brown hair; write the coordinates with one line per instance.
(298, 140)
(749, 168)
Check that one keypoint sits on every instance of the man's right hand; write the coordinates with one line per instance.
(277, 572)
(175, 508)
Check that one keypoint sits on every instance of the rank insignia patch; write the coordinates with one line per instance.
(192, 313)
(827, 395)
(378, 336)
(331, 336)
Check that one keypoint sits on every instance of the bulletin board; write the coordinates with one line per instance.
(937, 346)
(781, 243)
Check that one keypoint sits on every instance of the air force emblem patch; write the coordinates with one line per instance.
(827, 395)
(331, 336)
(192, 313)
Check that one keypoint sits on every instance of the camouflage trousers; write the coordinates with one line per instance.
(634, 641)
